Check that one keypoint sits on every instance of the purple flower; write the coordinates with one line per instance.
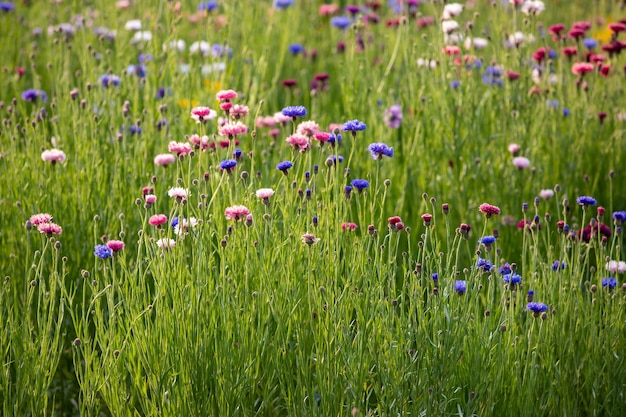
(586, 201)
(378, 150)
(590, 43)
(284, 166)
(294, 111)
(7, 6)
(505, 269)
(360, 185)
(282, 4)
(460, 287)
(619, 217)
(393, 116)
(513, 279)
(536, 308)
(110, 80)
(484, 264)
(353, 126)
(558, 265)
(228, 165)
(341, 22)
(102, 251)
(33, 95)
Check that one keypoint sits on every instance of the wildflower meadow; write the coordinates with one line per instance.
(294, 208)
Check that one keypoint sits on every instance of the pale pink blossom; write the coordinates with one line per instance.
(226, 95)
(521, 162)
(488, 210)
(298, 141)
(581, 68)
(232, 129)
(150, 198)
(265, 121)
(236, 213)
(328, 9)
(179, 193)
(616, 267)
(53, 156)
(157, 219)
(308, 128)
(203, 114)
(164, 159)
(514, 148)
(265, 194)
(41, 218)
(546, 193)
(237, 111)
(199, 142)
(281, 118)
(309, 239)
(179, 148)
(50, 228)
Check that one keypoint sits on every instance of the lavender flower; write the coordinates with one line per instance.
(393, 116)
(108, 80)
(33, 95)
(341, 22)
(378, 150)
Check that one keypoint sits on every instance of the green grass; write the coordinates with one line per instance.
(244, 318)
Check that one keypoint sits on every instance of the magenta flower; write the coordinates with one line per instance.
(41, 218)
(236, 213)
(488, 210)
(157, 219)
(203, 114)
(199, 142)
(226, 95)
(179, 148)
(50, 229)
(115, 245)
(298, 141)
(231, 130)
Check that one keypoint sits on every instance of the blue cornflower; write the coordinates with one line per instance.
(609, 282)
(435, 276)
(347, 191)
(552, 54)
(566, 111)
(536, 308)
(484, 264)
(296, 48)
(219, 51)
(341, 22)
(332, 160)
(209, 6)
(455, 84)
(228, 165)
(553, 104)
(33, 95)
(284, 166)
(282, 4)
(102, 251)
(530, 295)
(619, 217)
(353, 126)
(512, 279)
(135, 130)
(138, 70)
(585, 201)
(360, 185)
(487, 240)
(294, 111)
(333, 140)
(110, 80)
(145, 58)
(174, 222)
(7, 6)
(160, 92)
(378, 150)
(460, 287)
(161, 124)
(556, 265)
(237, 154)
(590, 43)
(505, 269)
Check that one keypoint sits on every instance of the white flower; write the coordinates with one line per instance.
(180, 229)
(133, 25)
(532, 7)
(202, 47)
(166, 243)
(215, 67)
(616, 267)
(476, 43)
(184, 68)
(451, 10)
(178, 193)
(453, 38)
(176, 44)
(536, 75)
(546, 193)
(141, 36)
(449, 26)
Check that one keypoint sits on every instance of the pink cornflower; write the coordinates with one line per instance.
(150, 199)
(199, 142)
(546, 193)
(581, 68)
(236, 213)
(617, 27)
(395, 223)
(157, 219)
(41, 218)
(616, 267)
(521, 162)
(308, 128)
(281, 118)
(50, 228)
(451, 50)
(179, 193)
(570, 51)
(328, 9)
(488, 210)
(309, 239)
(232, 129)
(53, 156)
(334, 126)
(164, 159)
(226, 95)
(349, 226)
(514, 148)
(321, 137)
(238, 111)
(115, 245)
(179, 148)
(273, 133)
(427, 219)
(298, 141)
(265, 121)
(264, 193)
(203, 114)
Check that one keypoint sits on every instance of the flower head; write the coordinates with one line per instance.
(284, 166)
(164, 159)
(488, 210)
(484, 264)
(536, 308)
(341, 22)
(586, 201)
(108, 80)
(203, 114)
(179, 193)
(299, 142)
(521, 162)
(232, 129)
(41, 218)
(512, 279)
(50, 229)
(460, 286)
(165, 243)
(228, 165)
(609, 282)
(157, 219)
(226, 95)
(115, 245)
(378, 150)
(33, 95)
(393, 116)
(619, 217)
(264, 193)
(616, 267)
(309, 239)
(349, 226)
(53, 156)
(360, 184)
(102, 251)
(236, 213)
(294, 112)
(353, 126)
